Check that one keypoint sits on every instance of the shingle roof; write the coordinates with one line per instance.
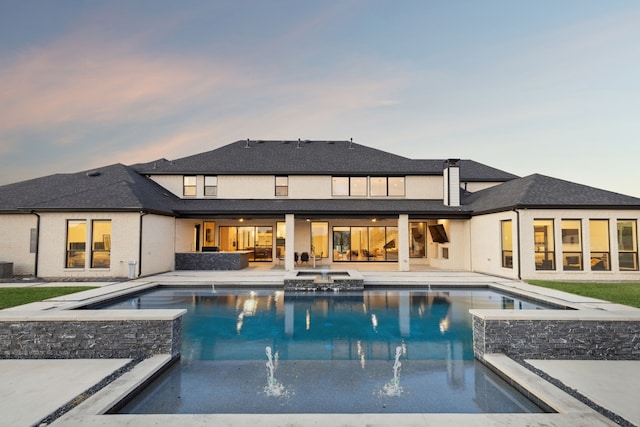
(114, 187)
(312, 157)
(540, 191)
(318, 207)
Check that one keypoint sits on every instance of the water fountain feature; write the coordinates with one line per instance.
(273, 388)
(322, 280)
(393, 387)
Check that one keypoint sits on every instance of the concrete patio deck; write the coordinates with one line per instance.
(32, 389)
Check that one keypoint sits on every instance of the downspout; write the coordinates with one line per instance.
(519, 245)
(142, 214)
(37, 248)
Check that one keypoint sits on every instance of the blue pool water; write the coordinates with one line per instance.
(331, 352)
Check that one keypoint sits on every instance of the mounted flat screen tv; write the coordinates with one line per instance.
(438, 234)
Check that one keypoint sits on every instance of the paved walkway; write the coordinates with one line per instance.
(32, 389)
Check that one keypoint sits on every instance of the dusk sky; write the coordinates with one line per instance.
(550, 87)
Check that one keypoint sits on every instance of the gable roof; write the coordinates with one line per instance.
(110, 188)
(540, 191)
(312, 157)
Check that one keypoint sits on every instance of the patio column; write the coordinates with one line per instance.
(403, 242)
(289, 242)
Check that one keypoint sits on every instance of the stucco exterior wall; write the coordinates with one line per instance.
(424, 187)
(246, 187)
(486, 244)
(477, 186)
(457, 247)
(173, 183)
(53, 229)
(527, 246)
(309, 187)
(15, 239)
(158, 243)
(300, 186)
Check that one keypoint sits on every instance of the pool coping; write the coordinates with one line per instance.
(84, 414)
(569, 411)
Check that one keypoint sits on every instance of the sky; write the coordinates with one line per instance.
(545, 86)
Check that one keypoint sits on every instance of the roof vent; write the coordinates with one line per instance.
(298, 146)
(351, 144)
(94, 173)
(247, 145)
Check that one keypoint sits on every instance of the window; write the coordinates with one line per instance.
(378, 186)
(599, 243)
(365, 244)
(209, 235)
(340, 186)
(282, 185)
(358, 186)
(281, 235)
(101, 244)
(210, 186)
(396, 186)
(361, 186)
(189, 186)
(258, 241)
(507, 244)
(320, 239)
(628, 245)
(572, 244)
(76, 243)
(418, 242)
(544, 244)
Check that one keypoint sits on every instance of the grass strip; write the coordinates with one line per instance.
(12, 297)
(620, 293)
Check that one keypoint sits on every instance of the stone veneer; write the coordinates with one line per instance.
(557, 334)
(88, 334)
(212, 260)
(314, 280)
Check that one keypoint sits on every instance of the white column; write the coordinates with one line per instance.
(289, 241)
(403, 242)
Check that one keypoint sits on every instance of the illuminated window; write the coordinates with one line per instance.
(258, 241)
(282, 185)
(418, 243)
(571, 244)
(544, 244)
(365, 244)
(628, 245)
(378, 186)
(209, 235)
(189, 186)
(599, 243)
(358, 186)
(76, 243)
(320, 239)
(340, 186)
(396, 186)
(507, 244)
(101, 244)
(210, 186)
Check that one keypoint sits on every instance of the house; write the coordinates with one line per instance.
(303, 202)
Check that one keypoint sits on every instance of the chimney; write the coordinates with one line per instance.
(451, 175)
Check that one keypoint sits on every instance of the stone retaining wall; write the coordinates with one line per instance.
(65, 335)
(561, 338)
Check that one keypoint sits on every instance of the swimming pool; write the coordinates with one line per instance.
(374, 351)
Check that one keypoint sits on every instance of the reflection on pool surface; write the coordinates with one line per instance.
(331, 352)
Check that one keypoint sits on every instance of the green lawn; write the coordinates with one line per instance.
(11, 297)
(621, 293)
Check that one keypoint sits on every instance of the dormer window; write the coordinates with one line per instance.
(189, 186)
(210, 186)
